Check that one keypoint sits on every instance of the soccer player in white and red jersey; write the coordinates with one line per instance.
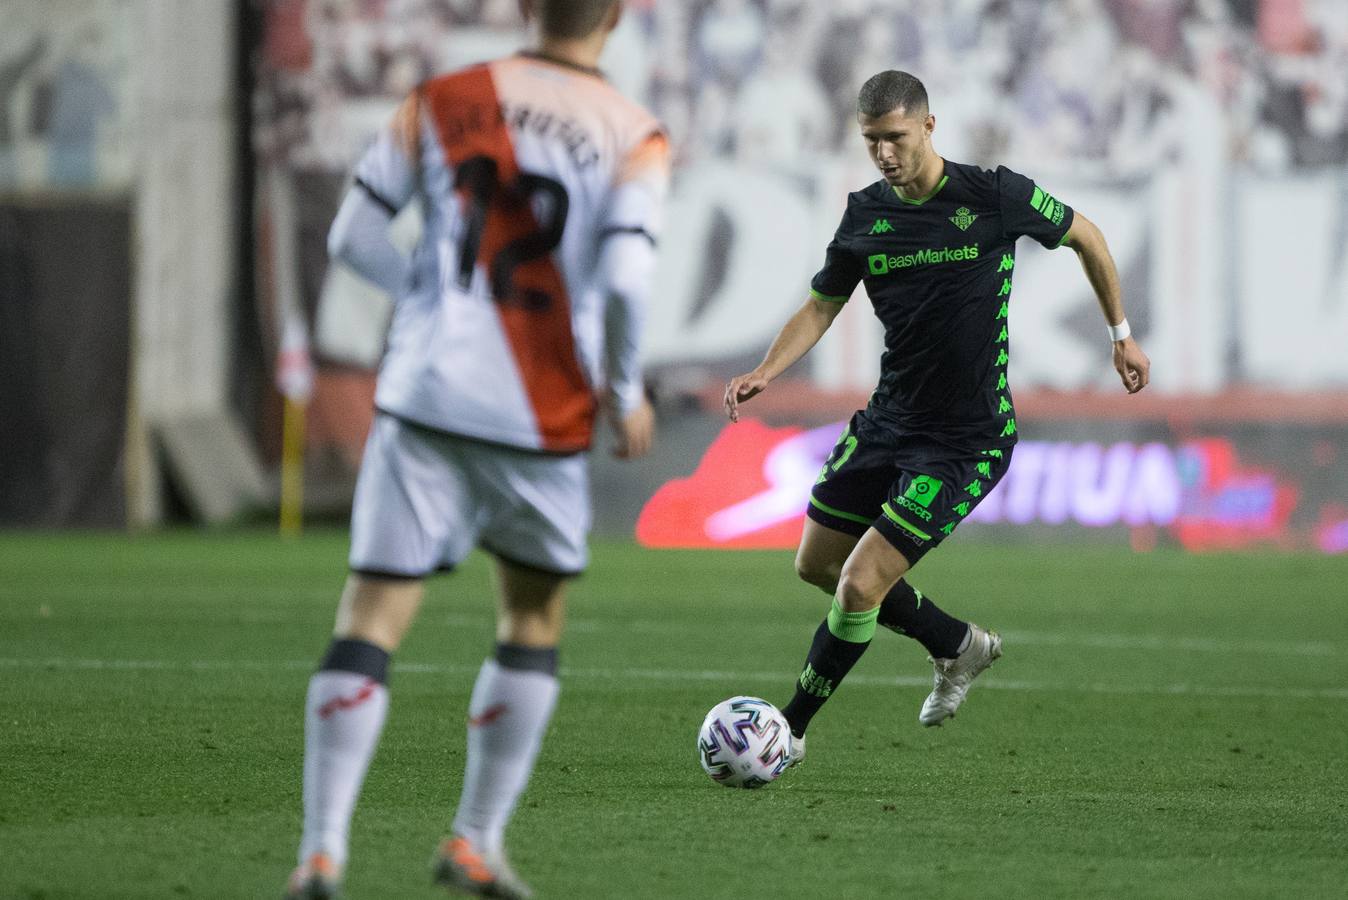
(516, 320)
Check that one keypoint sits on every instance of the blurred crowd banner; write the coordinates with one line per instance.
(65, 90)
(1208, 139)
(65, 261)
(119, 209)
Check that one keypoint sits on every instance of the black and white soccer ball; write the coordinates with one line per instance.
(744, 742)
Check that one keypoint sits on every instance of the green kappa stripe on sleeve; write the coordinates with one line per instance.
(1048, 206)
(851, 517)
(1041, 200)
(826, 298)
(894, 517)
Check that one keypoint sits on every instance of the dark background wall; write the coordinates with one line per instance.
(65, 315)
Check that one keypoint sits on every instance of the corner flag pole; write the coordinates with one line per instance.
(292, 467)
(295, 379)
(294, 362)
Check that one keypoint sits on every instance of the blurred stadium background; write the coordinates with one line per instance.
(168, 170)
(171, 335)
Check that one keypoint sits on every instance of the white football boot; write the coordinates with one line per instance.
(317, 878)
(459, 868)
(797, 750)
(953, 676)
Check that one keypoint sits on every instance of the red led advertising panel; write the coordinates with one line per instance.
(752, 484)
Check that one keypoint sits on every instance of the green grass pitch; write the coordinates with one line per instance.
(1160, 726)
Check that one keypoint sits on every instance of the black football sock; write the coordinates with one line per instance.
(905, 610)
(838, 644)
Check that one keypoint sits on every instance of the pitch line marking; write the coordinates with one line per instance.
(1181, 689)
(1160, 643)
(1102, 641)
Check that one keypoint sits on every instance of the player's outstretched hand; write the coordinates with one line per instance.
(741, 388)
(635, 431)
(1132, 365)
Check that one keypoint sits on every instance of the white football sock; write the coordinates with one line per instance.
(343, 716)
(507, 717)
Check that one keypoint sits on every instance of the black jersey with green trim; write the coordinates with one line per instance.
(938, 272)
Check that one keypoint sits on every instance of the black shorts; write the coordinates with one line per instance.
(910, 488)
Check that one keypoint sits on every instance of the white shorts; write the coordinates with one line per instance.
(424, 499)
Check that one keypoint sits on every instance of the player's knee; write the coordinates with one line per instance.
(858, 593)
(822, 575)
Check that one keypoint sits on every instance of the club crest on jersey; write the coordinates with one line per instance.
(963, 218)
(882, 226)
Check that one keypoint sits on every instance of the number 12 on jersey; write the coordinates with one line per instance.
(528, 198)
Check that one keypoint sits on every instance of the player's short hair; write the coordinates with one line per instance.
(571, 18)
(888, 91)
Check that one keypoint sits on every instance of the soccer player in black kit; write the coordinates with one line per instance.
(934, 242)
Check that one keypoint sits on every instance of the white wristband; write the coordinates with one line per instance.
(1120, 331)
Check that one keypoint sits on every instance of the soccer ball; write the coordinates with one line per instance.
(744, 742)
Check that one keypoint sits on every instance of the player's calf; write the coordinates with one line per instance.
(838, 643)
(907, 611)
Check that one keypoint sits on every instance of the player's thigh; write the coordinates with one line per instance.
(852, 483)
(874, 566)
(821, 554)
(538, 510)
(378, 610)
(936, 489)
(416, 508)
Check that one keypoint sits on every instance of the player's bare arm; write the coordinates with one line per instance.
(1089, 243)
(634, 430)
(801, 332)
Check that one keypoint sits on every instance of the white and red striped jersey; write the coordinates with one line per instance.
(542, 190)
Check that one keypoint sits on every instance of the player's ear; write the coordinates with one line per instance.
(929, 124)
(615, 15)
